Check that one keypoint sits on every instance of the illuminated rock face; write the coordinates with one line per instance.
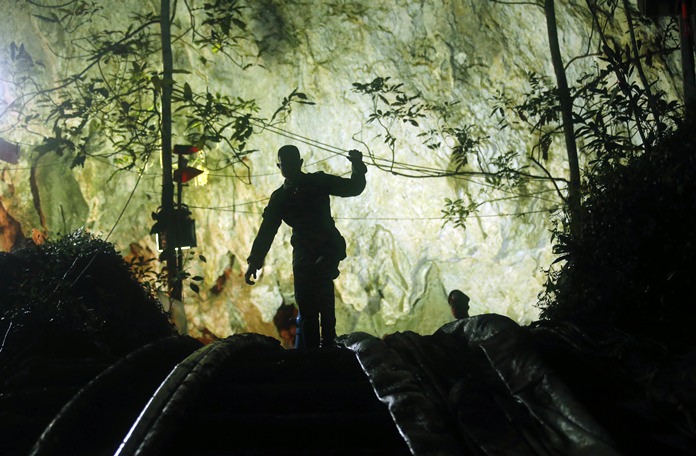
(401, 261)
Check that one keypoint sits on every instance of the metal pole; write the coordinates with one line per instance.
(178, 284)
(169, 254)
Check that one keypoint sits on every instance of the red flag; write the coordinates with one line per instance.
(185, 174)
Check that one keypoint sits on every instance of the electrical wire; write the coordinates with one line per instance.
(334, 150)
(89, 263)
(118, 220)
(426, 172)
(404, 169)
(511, 214)
(130, 197)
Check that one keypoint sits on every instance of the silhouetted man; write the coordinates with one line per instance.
(303, 203)
(459, 303)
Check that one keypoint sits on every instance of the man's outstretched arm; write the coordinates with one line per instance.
(262, 243)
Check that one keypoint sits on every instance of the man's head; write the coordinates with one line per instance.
(459, 302)
(289, 162)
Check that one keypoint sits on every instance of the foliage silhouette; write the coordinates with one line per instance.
(618, 111)
(108, 103)
(631, 268)
(75, 296)
(114, 91)
(625, 264)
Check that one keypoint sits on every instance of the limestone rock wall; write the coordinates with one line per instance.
(401, 261)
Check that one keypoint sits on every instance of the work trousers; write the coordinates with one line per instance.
(314, 293)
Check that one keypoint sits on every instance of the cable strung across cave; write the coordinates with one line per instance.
(390, 165)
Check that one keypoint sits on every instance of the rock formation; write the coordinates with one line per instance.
(402, 261)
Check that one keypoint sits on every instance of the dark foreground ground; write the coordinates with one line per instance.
(478, 386)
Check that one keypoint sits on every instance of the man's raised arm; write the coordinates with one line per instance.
(340, 186)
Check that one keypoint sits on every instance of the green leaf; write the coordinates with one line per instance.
(239, 24)
(188, 93)
(53, 18)
(78, 161)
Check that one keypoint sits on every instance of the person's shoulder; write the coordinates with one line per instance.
(311, 179)
(278, 191)
(319, 177)
(278, 194)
